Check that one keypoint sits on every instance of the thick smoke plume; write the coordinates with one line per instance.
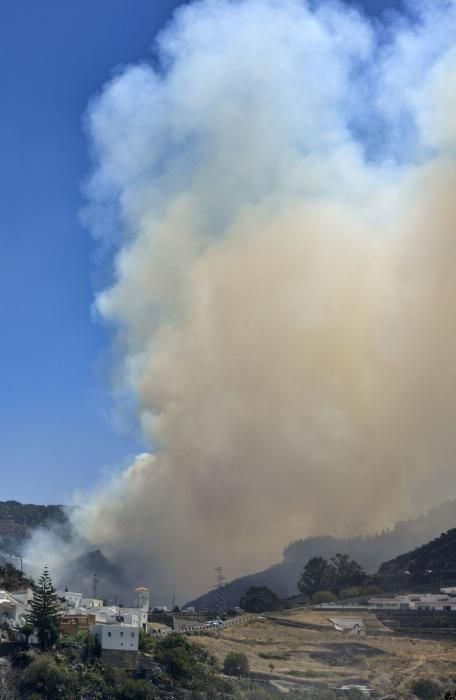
(279, 194)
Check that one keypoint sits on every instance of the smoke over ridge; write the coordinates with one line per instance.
(278, 192)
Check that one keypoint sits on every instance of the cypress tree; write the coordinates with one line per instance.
(45, 611)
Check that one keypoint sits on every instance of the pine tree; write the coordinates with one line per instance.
(45, 611)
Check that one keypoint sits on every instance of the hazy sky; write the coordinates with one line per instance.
(57, 430)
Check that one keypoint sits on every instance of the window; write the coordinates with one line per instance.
(121, 634)
(132, 634)
(109, 634)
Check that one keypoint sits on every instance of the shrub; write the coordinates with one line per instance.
(188, 663)
(136, 690)
(372, 589)
(66, 640)
(325, 694)
(324, 597)
(21, 658)
(146, 642)
(425, 689)
(49, 679)
(276, 656)
(236, 664)
(92, 685)
(90, 646)
(354, 694)
(352, 592)
(176, 654)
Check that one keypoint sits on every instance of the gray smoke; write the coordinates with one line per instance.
(278, 192)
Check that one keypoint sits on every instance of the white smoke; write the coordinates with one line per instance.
(279, 194)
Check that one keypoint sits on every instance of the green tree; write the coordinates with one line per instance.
(236, 664)
(338, 574)
(258, 599)
(45, 611)
(317, 575)
(345, 572)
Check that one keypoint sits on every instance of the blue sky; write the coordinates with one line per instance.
(56, 427)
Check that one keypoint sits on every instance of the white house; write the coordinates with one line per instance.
(134, 616)
(8, 607)
(113, 613)
(116, 636)
(416, 601)
(72, 599)
(90, 603)
(14, 608)
(353, 626)
(442, 603)
(24, 596)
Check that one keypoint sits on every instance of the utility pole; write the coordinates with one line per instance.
(220, 590)
(94, 586)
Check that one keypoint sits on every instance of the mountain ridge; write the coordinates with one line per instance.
(371, 551)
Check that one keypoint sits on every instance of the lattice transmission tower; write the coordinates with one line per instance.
(220, 590)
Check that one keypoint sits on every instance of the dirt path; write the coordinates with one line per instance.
(408, 672)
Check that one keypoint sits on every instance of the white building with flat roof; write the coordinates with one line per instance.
(71, 598)
(388, 603)
(114, 613)
(90, 603)
(134, 616)
(14, 607)
(116, 637)
(416, 601)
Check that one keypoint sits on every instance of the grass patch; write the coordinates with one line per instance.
(304, 674)
(274, 655)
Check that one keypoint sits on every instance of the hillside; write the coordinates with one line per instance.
(18, 520)
(432, 564)
(370, 552)
(111, 579)
(300, 647)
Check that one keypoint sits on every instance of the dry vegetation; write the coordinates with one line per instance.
(322, 656)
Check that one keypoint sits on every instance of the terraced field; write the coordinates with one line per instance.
(308, 652)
